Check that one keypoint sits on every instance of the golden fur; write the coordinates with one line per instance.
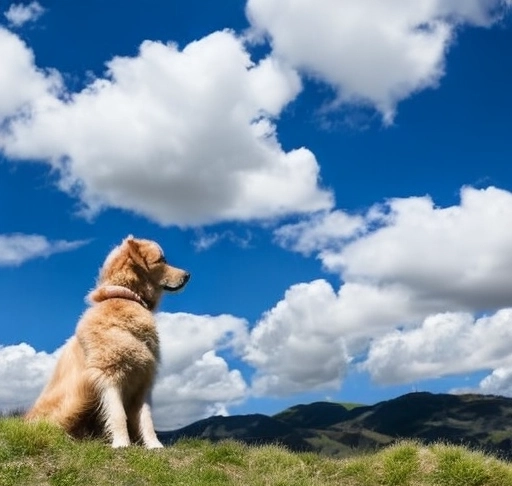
(103, 379)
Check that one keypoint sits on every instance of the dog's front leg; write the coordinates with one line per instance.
(146, 427)
(115, 416)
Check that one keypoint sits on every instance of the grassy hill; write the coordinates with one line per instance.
(39, 454)
(478, 421)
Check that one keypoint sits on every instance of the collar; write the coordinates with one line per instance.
(106, 292)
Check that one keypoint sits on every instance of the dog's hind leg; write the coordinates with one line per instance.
(113, 412)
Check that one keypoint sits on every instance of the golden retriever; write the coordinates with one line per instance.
(103, 379)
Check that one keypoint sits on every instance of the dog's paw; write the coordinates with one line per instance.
(120, 443)
(154, 445)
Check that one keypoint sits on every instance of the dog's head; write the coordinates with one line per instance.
(140, 266)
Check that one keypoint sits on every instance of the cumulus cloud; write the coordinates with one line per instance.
(22, 85)
(181, 137)
(323, 230)
(188, 137)
(17, 248)
(347, 42)
(307, 341)
(499, 382)
(23, 373)
(446, 258)
(195, 380)
(458, 256)
(19, 14)
(406, 264)
(291, 352)
(444, 344)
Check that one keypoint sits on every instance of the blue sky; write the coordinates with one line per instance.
(334, 174)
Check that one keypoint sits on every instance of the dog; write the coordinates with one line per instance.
(102, 383)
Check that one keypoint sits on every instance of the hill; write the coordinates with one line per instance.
(254, 429)
(478, 421)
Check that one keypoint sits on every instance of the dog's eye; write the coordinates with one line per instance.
(161, 260)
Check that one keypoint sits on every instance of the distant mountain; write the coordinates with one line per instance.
(318, 415)
(251, 429)
(480, 421)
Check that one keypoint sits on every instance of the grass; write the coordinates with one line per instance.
(39, 454)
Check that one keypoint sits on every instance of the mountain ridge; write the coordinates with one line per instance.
(477, 421)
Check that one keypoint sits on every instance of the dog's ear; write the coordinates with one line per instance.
(134, 252)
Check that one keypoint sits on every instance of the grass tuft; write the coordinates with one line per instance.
(400, 464)
(19, 438)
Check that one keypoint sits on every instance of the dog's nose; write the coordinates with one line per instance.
(186, 277)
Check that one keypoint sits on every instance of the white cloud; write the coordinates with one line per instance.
(22, 86)
(17, 248)
(407, 264)
(23, 373)
(205, 240)
(375, 53)
(307, 341)
(207, 387)
(445, 344)
(456, 257)
(181, 137)
(322, 230)
(499, 382)
(19, 13)
(451, 258)
(297, 345)
(194, 381)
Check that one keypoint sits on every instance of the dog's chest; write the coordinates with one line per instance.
(147, 337)
(137, 351)
(119, 340)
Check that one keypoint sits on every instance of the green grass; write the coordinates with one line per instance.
(39, 454)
